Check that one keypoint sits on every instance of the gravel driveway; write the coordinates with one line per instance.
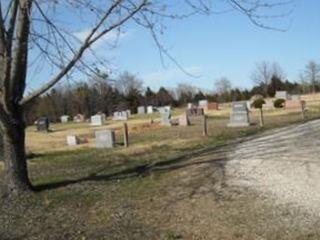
(282, 164)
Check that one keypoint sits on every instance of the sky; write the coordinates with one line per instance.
(215, 46)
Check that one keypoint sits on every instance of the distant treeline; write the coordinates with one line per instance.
(101, 94)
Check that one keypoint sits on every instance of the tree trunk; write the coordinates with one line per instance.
(16, 172)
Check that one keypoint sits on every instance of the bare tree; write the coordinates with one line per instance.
(185, 92)
(127, 82)
(34, 31)
(263, 73)
(223, 85)
(312, 74)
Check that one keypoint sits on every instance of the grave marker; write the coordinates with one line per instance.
(105, 139)
(239, 116)
(64, 118)
(166, 119)
(43, 124)
(78, 118)
(72, 140)
(183, 120)
(203, 103)
(141, 110)
(282, 95)
(97, 120)
(213, 106)
(150, 109)
(122, 116)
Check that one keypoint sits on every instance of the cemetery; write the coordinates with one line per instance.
(104, 156)
(165, 120)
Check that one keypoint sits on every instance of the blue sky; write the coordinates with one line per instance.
(225, 45)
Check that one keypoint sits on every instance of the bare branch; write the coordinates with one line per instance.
(90, 39)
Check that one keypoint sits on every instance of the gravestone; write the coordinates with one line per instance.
(239, 116)
(121, 116)
(164, 109)
(183, 120)
(78, 118)
(43, 124)
(105, 139)
(282, 95)
(97, 120)
(141, 110)
(166, 118)
(64, 118)
(213, 106)
(72, 140)
(150, 109)
(128, 112)
(190, 105)
(203, 103)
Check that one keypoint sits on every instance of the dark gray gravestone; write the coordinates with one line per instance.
(239, 116)
(43, 124)
(105, 139)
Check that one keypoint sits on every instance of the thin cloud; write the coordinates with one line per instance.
(110, 38)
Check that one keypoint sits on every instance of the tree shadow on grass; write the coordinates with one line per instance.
(216, 155)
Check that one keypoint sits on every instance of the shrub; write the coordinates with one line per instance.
(258, 103)
(279, 103)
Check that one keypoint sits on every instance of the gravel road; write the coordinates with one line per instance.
(282, 164)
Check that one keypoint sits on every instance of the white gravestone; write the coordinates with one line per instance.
(72, 140)
(150, 109)
(184, 120)
(282, 95)
(203, 103)
(121, 116)
(97, 120)
(64, 118)
(166, 118)
(105, 139)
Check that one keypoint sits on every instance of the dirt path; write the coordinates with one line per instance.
(282, 164)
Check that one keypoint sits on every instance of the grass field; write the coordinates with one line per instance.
(140, 192)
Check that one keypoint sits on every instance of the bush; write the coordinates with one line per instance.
(279, 103)
(258, 103)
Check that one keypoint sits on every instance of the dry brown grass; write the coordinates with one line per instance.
(56, 140)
